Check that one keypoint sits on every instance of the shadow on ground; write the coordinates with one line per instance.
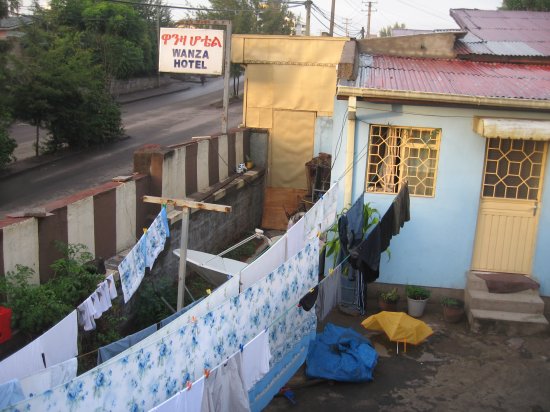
(454, 370)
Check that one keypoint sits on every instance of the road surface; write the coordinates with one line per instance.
(164, 120)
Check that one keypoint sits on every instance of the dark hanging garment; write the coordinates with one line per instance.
(308, 301)
(366, 256)
(387, 228)
(343, 236)
(355, 223)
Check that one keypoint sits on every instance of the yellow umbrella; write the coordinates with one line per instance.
(399, 327)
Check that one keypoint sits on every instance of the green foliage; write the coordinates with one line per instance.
(532, 5)
(387, 31)
(390, 297)
(417, 292)
(7, 144)
(149, 306)
(8, 7)
(371, 217)
(38, 307)
(452, 303)
(70, 100)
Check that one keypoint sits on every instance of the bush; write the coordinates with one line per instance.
(36, 308)
(390, 297)
(452, 303)
(417, 292)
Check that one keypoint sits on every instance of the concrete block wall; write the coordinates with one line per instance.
(108, 219)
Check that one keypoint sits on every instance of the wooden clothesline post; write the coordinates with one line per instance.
(185, 205)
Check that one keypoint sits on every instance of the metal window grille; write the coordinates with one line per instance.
(399, 154)
(513, 169)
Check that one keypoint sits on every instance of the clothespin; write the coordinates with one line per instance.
(241, 347)
(164, 205)
(330, 271)
(144, 230)
(206, 373)
(312, 290)
(193, 319)
(209, 291)
(318, 233)
(189, 385)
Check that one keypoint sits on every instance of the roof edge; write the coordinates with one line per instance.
(347, 91)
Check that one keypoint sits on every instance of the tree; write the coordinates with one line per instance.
(274, 18)
(8, 6)
(70, 100)
(7, 144)
(386, 31)
(532, 5)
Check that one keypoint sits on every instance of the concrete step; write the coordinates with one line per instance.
(474, 282)
(510, 324)
(527, 301)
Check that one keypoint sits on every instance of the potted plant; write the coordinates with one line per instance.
(388, 300)
(453, 309)
(417, 298)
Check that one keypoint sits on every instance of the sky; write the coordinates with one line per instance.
(416, 14)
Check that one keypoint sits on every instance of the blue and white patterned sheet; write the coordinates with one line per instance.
(144, 376)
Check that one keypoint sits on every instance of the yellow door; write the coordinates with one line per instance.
(510, 201)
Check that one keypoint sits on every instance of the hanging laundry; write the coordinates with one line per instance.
(270, 260)
(156, 238)
(295, 238)
(49, 378)
(24, 362)
(313, 219)
(187, 400)
(224, 389)
(10, 393)
(132, 268)
(104, 296)
(86, 313)
(355, 223)
(176, 315)
(402, 206)
(329, 294)
(60, 343)
(112, 349)
(330, 205)
(255, 360)
(159, 366)
(112, 287)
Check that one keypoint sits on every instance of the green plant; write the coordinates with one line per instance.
(38, 307)
(371, 216)
(452, 303)
(417, 292)
(390, 296)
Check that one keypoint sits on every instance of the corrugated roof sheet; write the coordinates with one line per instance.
(459, 77)
(504, 33)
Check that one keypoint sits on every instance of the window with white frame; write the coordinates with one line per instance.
(399, 154)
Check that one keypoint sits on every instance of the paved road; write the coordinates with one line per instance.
(164, 120)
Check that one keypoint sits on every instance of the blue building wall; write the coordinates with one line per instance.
(435, 247)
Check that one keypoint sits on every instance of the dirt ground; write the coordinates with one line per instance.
(454, 370)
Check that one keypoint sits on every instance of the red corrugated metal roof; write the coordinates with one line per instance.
(459, 77)
(527, 27)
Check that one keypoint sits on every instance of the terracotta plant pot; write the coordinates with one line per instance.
(387, 306)
(249, 165)
(452, 315)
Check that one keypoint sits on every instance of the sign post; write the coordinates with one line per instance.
(186, 205)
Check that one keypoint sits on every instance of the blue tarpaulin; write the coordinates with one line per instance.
(341, 354)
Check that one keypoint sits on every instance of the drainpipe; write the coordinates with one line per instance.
(349, 166)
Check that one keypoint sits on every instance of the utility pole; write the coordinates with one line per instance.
(368, 18)
(186, 206)
(331, 29)
(346, 22)
(158, 40)
(308, 16)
